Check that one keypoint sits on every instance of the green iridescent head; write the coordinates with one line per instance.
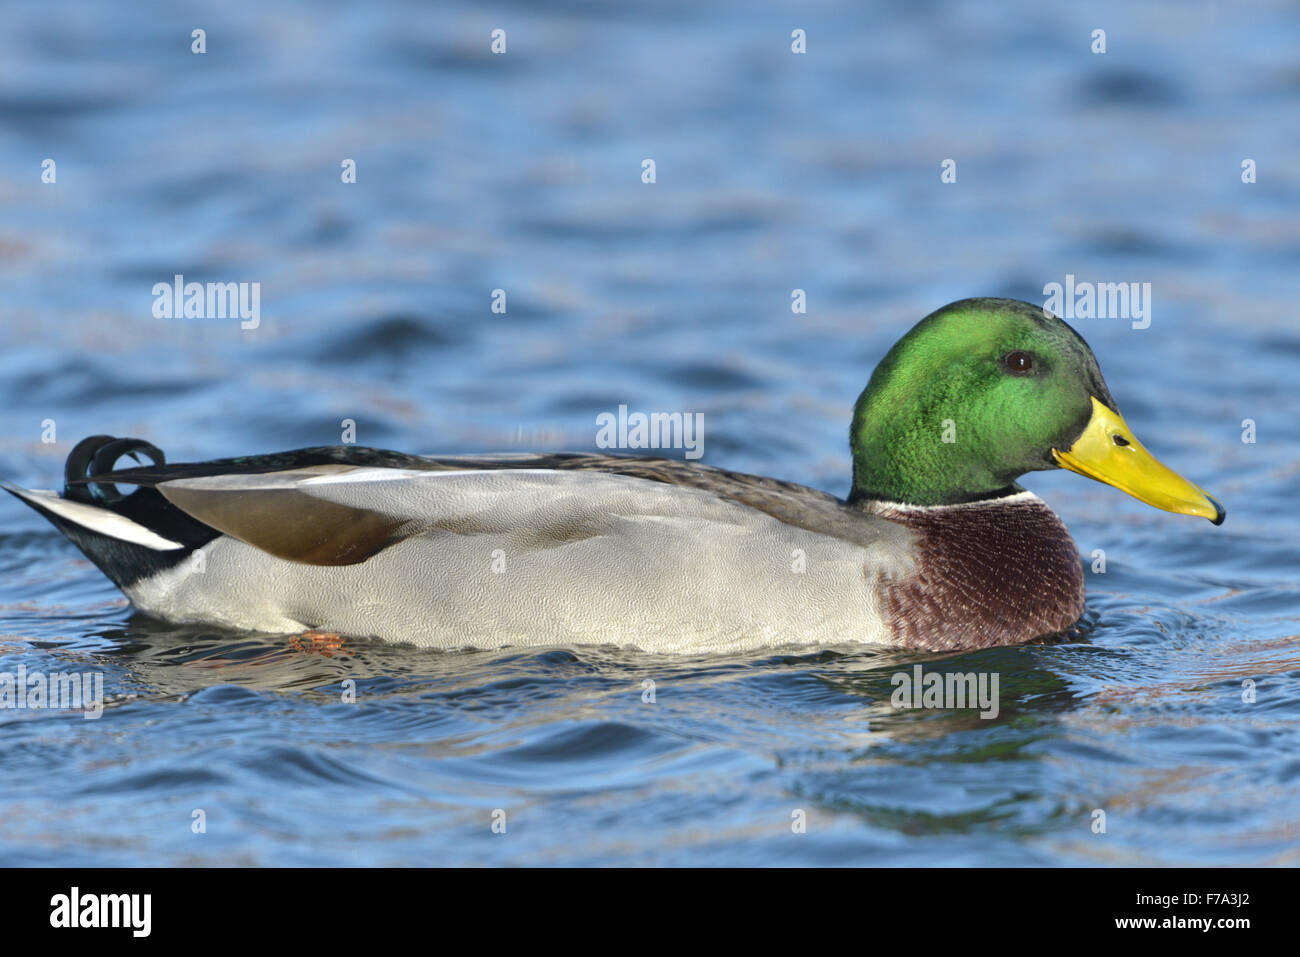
(974, 396)
(983, 391)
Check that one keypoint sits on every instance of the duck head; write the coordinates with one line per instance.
(984, 390)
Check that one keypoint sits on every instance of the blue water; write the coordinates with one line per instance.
(775, 171)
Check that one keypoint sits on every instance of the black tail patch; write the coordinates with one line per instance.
(123, 561)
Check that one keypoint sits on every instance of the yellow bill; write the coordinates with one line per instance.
(1108, 452)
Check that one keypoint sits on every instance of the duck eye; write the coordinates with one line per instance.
(1018, 363)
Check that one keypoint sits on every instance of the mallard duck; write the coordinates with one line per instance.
(936, 547)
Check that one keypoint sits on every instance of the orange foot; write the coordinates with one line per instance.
(317, 642)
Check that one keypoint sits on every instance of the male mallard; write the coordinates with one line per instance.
(936, 547)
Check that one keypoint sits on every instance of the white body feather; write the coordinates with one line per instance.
(543, 557)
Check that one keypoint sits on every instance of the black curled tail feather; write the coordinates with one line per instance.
(95, 456)
(122, 560)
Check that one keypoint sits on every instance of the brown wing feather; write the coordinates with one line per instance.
(302, 528)
(289, 524)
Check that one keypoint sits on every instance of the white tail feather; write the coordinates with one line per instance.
(96, 519)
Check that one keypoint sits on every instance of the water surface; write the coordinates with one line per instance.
(774, 172)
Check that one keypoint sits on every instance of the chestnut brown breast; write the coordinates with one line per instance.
(992, 573)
